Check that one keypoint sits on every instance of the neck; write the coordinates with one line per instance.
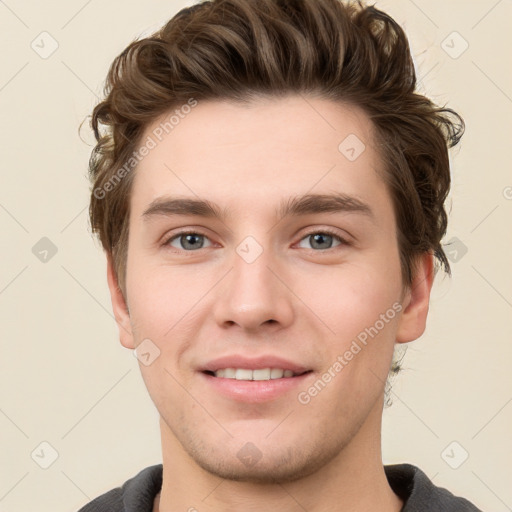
(354, 480)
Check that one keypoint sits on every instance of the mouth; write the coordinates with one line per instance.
(259, 374)
(254, 380)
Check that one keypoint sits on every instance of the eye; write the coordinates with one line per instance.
(187, 239)
(323, 238)
(190, 241)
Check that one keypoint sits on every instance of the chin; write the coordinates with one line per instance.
(269, 469)
(262, 459)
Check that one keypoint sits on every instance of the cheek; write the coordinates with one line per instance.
(362, 316)
(350, 298)
(163, 310)
(159, 296)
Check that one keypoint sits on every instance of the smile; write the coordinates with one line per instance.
(259, 374)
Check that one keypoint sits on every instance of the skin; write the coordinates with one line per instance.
(196, 304)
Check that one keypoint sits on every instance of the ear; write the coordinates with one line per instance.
(416, 301)
(119, 307)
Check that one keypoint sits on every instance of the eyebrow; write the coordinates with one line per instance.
(293, 206)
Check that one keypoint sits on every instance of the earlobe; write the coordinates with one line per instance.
(119, 307)
(416, 302)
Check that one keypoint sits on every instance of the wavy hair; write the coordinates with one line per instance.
(240, 50)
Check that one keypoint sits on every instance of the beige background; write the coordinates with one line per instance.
(64, 377)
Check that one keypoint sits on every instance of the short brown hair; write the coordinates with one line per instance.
(244, 49)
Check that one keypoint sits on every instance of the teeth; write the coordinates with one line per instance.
(263, 374)
(276, 373)
(243, 374)
(246, 374)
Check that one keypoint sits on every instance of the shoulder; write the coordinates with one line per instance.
(136, 494)
(420, 494)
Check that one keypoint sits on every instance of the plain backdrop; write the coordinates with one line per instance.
(72, 398)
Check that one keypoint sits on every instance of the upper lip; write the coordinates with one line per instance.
(268, 361)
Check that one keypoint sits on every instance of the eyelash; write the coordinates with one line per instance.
(326, 231)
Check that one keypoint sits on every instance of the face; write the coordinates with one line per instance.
(316, 291)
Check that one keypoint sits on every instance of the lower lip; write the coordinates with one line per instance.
(255, 391)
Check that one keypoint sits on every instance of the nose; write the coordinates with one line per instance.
(255, 293)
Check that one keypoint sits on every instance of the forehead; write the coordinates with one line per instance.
(265, 151)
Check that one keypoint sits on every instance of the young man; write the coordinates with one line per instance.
(269, 190)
